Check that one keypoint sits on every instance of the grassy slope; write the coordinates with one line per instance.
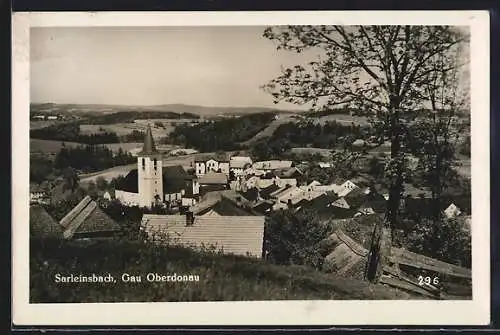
(221, 277)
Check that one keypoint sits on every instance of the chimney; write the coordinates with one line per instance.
(189, 218)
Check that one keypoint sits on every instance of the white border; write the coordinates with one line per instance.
(474, 312)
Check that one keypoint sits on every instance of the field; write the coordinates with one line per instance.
(221, 277)
(52, 147)
(41, 124)
(47, 146)
(321, 151)
(342, 118)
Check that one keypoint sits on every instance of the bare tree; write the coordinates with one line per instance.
(383, 71)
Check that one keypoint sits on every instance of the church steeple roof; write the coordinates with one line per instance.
(149, 147)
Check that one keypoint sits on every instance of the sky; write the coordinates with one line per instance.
(209, 66)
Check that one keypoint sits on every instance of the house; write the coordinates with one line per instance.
(224, 207)
(154, 184)
(87, 220)
(346, 187)
(213, 181)
(238, 164)
(326, 188)
(265, 193)
(107, 196)
(289, 173)
(263, 206)
(238, 235)
(324, 165)
(281, 182)
(38, 195)
(452, 211)
(215, 163)
(52, 117)
(271, 165)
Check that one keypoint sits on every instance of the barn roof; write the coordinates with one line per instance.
(347, 257)
(242, 235)
(87, 217)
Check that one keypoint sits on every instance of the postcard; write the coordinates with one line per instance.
(251, 168)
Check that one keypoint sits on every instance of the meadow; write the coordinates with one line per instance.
(221, 277)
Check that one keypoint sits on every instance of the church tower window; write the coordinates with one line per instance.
(143, 163)
(155, 164)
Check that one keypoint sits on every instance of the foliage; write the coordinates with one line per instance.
(70, 132)
(40, 168)
(131, 116)
(223, 134)
(449, 240)
(382, 71)
(265, 149)
(293, 239)
(328, 135)
(134, 136)
(91, 158)
(62, 207)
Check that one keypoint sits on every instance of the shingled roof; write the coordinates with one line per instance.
(87, 219)
(242, 235)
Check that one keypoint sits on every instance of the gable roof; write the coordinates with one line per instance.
(251, 194)
(239, 162)
(212, 178)
(272, 164)
(266, 192)
(226, 207)
(219, 157)
(347, 257)
(242, 235)
(42, 224)
(87, 217)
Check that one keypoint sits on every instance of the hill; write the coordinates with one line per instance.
(203, 111)
(221, 277)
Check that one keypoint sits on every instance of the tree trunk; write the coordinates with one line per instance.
(396, 185)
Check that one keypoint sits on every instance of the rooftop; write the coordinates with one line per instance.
(149, 147)
(242, 235)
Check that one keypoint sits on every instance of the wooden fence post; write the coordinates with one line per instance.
(379, 253)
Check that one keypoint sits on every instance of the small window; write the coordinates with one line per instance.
(155, 163)
(143, 163)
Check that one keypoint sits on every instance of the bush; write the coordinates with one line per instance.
(294, 239)
(448, 241)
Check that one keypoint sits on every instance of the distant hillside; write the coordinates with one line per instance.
(81, 109)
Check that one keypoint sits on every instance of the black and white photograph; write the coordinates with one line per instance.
(250, 163)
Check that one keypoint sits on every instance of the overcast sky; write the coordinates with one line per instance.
(210, 66)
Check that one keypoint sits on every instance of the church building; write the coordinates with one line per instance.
(153, 184)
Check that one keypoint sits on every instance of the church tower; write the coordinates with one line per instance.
(150, 174)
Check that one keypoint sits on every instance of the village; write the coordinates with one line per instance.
(223, 202)
(326, 174)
